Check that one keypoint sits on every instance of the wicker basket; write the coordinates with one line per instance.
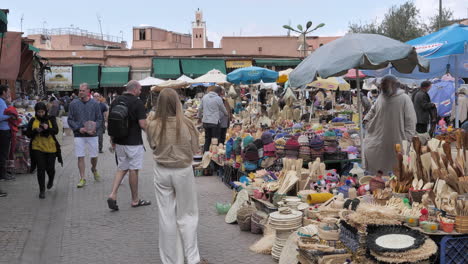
(461, 224)
(244, 215)
(258, 221)
(416, 196)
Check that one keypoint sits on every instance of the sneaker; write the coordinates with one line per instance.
(42, 195)
(203, 261)
(81, 184)
(50, 184)
(97, 177)
(3, 194)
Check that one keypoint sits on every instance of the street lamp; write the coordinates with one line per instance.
(304, 32)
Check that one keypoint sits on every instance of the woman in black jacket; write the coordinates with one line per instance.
(44, 147)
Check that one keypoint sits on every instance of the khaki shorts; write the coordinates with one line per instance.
(129, 157)
(86, 144)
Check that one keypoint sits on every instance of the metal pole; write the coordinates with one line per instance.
(359, 111)
(304, 47)
(440, 14)
(457, 114)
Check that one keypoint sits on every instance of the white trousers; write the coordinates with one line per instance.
(177, 205)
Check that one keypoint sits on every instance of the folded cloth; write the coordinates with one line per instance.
(247, 140)
(316, 143)
(291, 153)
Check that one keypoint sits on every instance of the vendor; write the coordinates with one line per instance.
(391, 120)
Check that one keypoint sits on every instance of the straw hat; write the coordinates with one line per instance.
(241, 198)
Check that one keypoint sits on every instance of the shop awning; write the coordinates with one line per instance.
(114, 76)
(86, 73)
(195, 68)
(235, 64)
(32, 48)
(277, 62)
(166, 68)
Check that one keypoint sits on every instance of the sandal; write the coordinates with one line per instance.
(141, 203)
(112, 204)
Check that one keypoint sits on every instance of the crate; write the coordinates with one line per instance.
(453, 250)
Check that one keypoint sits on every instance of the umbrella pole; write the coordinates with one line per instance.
(457, 114)
(359, 112)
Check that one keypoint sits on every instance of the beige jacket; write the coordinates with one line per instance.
(170, 153)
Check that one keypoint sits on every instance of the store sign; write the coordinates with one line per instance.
(59, 78)
(238, 64)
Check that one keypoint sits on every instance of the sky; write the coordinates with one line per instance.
(223, 18)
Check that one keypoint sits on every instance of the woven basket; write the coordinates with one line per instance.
(258, 221)
(329, 235)
(244, 216)
(416, 196)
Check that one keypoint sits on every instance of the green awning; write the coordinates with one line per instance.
(32, 48)
(277, 62)
(3, 17)
(114, 76)
(166, 68)
(194, 68)
(86, 73)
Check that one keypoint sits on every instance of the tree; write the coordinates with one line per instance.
(447, 17)
(400, 22)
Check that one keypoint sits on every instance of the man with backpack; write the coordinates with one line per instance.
(85, 118)
(127, 117)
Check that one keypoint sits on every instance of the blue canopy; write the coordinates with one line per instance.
(446, 50)
(251, 75)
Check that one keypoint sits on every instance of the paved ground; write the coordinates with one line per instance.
(75, 226)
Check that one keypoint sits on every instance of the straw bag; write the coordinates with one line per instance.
(258, 221)
(244, 216)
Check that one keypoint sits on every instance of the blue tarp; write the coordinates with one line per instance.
(442, 94)
(446, 50)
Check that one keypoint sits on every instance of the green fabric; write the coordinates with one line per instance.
(166, 68)
(195, 68)
(3, 17)
(277, 62)
(86, 73)
(32, 48)
(114, 76)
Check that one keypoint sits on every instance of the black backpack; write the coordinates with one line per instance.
(117, 120)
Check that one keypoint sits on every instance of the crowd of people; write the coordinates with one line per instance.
(390, 116)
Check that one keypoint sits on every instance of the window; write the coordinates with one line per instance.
(259, 49)
(142, 34)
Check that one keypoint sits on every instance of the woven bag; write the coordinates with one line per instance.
(244, 216)
(258, 221)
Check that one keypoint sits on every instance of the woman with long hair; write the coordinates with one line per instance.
(42, 129)
(174, 140)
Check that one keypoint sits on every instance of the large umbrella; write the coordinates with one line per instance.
(213, 76)
(284, 75)
(352, 74)
(184, 78)
(150, 81)
(357, 51)
(251, 75)
(331, 83)
(175, 84)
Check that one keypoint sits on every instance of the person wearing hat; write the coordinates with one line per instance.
(462, 107)
(44, 147)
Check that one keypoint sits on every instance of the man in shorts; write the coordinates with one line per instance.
(129, 150)
(85, 119)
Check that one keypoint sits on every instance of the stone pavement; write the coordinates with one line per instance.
(75, 226)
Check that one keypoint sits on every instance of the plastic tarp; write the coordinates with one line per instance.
(446, 49)
(362, 51)
(442, 94)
